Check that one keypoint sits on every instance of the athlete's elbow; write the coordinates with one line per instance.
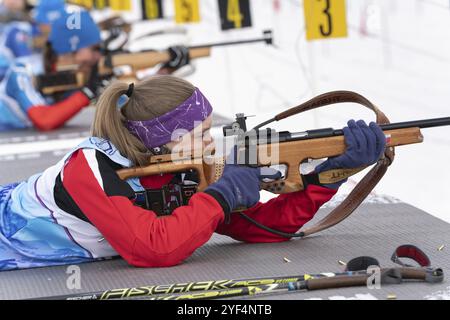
(46, 126)
(42, 123)
(149, 257)
(156, 261)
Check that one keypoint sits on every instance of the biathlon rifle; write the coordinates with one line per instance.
(66, 79)
(295, 148)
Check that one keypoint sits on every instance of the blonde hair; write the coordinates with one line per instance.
(150, 99)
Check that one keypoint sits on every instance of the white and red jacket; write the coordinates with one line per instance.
(91, 203)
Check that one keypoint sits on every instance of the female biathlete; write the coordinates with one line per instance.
(79, 210)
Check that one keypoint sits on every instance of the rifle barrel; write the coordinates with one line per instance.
(430, 123)
(330, 132)
(209, 45)
(221, 44)
(267, 38)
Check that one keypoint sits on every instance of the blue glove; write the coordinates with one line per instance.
(365, 146)
(94, 84)
(179, 57)
(240, 185)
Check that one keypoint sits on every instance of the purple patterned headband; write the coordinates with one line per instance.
(159, 131)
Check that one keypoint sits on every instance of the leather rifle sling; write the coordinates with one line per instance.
(370, 180)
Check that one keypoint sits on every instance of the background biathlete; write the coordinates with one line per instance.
(79, 210)
(31, 108)
(15, 34)
(19, 28)
(23, 106)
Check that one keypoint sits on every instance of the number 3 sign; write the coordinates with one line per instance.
(325, 19)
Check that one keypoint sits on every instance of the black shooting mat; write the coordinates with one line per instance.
(376, 229)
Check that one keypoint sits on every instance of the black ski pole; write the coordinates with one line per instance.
(152, 290)
(351, 279)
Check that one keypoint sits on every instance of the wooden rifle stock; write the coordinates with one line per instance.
(63, 81)
(143, 60)
(291, 154)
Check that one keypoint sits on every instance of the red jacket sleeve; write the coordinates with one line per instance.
(287, 213)
(138, 235)
(51, 117)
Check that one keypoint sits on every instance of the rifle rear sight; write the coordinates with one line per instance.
(253, 137)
